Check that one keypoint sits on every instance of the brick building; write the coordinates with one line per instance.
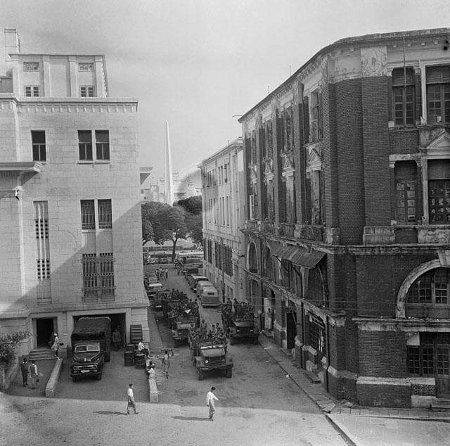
(70, 220)
(223, 217)
(348, 222)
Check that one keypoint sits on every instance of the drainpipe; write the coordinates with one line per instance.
(327, 334)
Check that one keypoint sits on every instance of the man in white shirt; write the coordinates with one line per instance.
(210, 398)
(131, 402)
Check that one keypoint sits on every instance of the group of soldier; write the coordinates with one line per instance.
(215, 335)
(237, 310)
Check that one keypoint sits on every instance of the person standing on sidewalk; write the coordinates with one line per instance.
(24, 369)
(166, 363)
(33, 375)
(131, 402)
(210, 398)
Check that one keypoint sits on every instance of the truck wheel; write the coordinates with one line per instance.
(229, 373)
(74, 379)
(99, 377)
(255, 340)
(108, 357)
(232, 341)
(200, 376)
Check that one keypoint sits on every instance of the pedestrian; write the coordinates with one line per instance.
(166, 363)
(116, 339)
(131, 402)
(166, 273)
(55, 346)
(24, 369)
(34, 377)
(210, 398)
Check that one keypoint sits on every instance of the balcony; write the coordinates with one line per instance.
(287, 230)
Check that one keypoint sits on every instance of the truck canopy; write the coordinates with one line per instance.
(91, 328)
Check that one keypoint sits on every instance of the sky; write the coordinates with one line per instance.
(199, 63)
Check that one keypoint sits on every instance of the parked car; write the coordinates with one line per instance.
(202, 284)
(209, 297)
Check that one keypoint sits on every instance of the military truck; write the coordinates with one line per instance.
(91, 347)
(183, 316)
(239, 323)
(209, 354)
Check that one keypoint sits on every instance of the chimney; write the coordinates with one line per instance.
(9, 43)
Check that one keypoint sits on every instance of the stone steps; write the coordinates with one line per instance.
(39, 354)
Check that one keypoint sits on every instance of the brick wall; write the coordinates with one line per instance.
(404, 140)
(383, 395)
(376, 150)
(350, 161)
(382, 354)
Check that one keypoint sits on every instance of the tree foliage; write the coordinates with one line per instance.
(8, 343)
(193, 205)
(162, 222)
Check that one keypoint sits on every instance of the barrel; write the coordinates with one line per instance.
(128, 358)
(129, 347)
(139, 360)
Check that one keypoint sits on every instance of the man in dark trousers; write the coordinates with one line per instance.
(24, 369)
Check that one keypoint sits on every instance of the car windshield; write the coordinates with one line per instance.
(92, 348)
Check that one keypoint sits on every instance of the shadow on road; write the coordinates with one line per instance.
(191, 418)
(109, 412)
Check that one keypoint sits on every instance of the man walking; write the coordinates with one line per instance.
(33, 374)
(166, 364)
(210, 398)
(131, 402)
(24, 369)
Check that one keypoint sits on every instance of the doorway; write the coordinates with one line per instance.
(291, 329)
(44, 329)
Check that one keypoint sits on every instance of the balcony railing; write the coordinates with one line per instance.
(287, 229)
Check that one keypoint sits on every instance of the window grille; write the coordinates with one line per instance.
(104, 214)
(403, 92)
(87, 214)
(32, 91)
(438, 94)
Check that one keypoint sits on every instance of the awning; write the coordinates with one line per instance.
(307, 259)
(298, 256)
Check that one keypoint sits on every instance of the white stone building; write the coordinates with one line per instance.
(70, 220)
(223, 217)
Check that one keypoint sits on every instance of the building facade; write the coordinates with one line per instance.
(223, 217)
(70, 220)
(348, 222)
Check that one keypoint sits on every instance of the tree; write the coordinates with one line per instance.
(193, 216)
(8, 343)
(166, 223)
(193, 205)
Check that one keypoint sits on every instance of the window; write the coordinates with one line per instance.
(32, 91)
(85, 145)
(89, 274)
(438, 94)
(420, 360)
(106, 273)
(87, 91)
(316, 123)
(406, 192)
(38, 144)
(87, 214)
(102, 144)
(31, 66)
(253, 148)
(85, 66)
(403, 93)
(433, 287)
(104, 214)
(42, 242)
(439, 201)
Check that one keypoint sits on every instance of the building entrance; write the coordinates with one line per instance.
(118, 320)
(44, 329)
(291, 329)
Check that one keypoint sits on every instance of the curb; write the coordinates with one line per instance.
(50, 388)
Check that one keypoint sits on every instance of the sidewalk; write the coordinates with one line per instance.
(328, 404)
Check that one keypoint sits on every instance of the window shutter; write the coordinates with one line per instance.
(306, 119)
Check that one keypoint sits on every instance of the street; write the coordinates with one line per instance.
(258, 406)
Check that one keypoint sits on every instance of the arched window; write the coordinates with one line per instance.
(252, 258)
(429, 295)
(268, 266)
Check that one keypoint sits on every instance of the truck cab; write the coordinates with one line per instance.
(88, 360)
(213, 357)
